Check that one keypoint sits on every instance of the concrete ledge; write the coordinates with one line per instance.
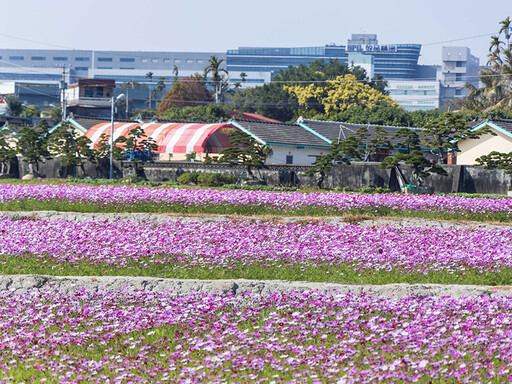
(69, 284)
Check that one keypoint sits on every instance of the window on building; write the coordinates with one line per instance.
(144, 60)
(154, 60)
(167, 60)
(104, 59)
(289, 159)
(104, 67)
(127, 60)
(81, 68)
(458, 77)
(460, 64)
(60, 58)
(81, 59)
(127, 68)
(199, 61)
(190, 61)
(177, 60)
(16, 58)
(458, 92)
(38, 58)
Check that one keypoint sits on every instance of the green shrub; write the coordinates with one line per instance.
(188, 178)
(214, 179)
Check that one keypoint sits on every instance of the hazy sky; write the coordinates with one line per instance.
(219, 25)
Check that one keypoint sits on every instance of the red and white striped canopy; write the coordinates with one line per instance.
(169, 137)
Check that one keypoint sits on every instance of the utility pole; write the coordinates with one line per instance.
(63, 86)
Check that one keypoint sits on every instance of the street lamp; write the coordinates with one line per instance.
(113, 100)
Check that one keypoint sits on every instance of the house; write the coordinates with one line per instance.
(292, 144)
(501, 141)
(336, 130)
(90, 97)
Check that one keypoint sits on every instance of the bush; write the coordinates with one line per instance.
(188, 178)
(206, 179)
(215, 179)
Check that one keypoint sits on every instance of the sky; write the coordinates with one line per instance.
(219, 25)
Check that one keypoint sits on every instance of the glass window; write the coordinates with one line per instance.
(127, 60)
(144, 60)
(104, 59)
(177, 60)
(460, 64)
(38, 58)
(190, 61)
(81, 68)
(289, 159)
(60, 58)
(104, 67)
(154, 60)
(199, 61)
(167, 60)
(81, 58)
(15, 57)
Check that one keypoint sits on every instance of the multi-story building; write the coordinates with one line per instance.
(459, 67)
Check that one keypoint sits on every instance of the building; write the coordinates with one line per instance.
(459, 67)
(90, 97)
(501, 141)
(413, 95)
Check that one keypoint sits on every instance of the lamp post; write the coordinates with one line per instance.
(113, 101)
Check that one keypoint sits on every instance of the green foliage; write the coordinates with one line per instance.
(55, 114)
(211, 113)
(246, 151)
(73, 151)
(443, 134)
(206, 179)
(33, 144)
(189, 91)
(14, 105)
(496, 160)
(339, 152)
(7, 150)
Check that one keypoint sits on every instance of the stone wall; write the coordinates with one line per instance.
(460, 178)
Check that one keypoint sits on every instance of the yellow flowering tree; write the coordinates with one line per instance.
(338, 95)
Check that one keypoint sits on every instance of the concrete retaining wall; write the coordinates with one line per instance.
(460, 178)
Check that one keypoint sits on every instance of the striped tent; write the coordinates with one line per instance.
(171, 137)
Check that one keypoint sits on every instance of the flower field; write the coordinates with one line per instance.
(136, 199)
(313, 251)
(287, 337)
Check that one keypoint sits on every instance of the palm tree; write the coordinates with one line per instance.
(214, 67)
(149, 76)
(506, 29)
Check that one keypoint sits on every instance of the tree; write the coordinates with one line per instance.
(33, 144)
(7, 150)
(160, 87)
(496, 160)
(211, 113)
(188, 91)
(149, 76)
(496, 77)
(338, 95)
(73, 151)
(138, 148)
(246, 151)
(215, 68)
(443, 134)
(410, 153)
(14, 105)
(340, 152)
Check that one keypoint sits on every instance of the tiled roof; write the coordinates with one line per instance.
(281, 133)
(505, 124)
(332, 130)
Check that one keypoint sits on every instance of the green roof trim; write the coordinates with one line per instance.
(234, 123)
(314, 133)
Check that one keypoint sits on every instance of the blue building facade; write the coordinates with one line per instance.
(393, 61)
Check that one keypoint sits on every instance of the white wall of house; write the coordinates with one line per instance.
(472, 149)
(300, 155)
